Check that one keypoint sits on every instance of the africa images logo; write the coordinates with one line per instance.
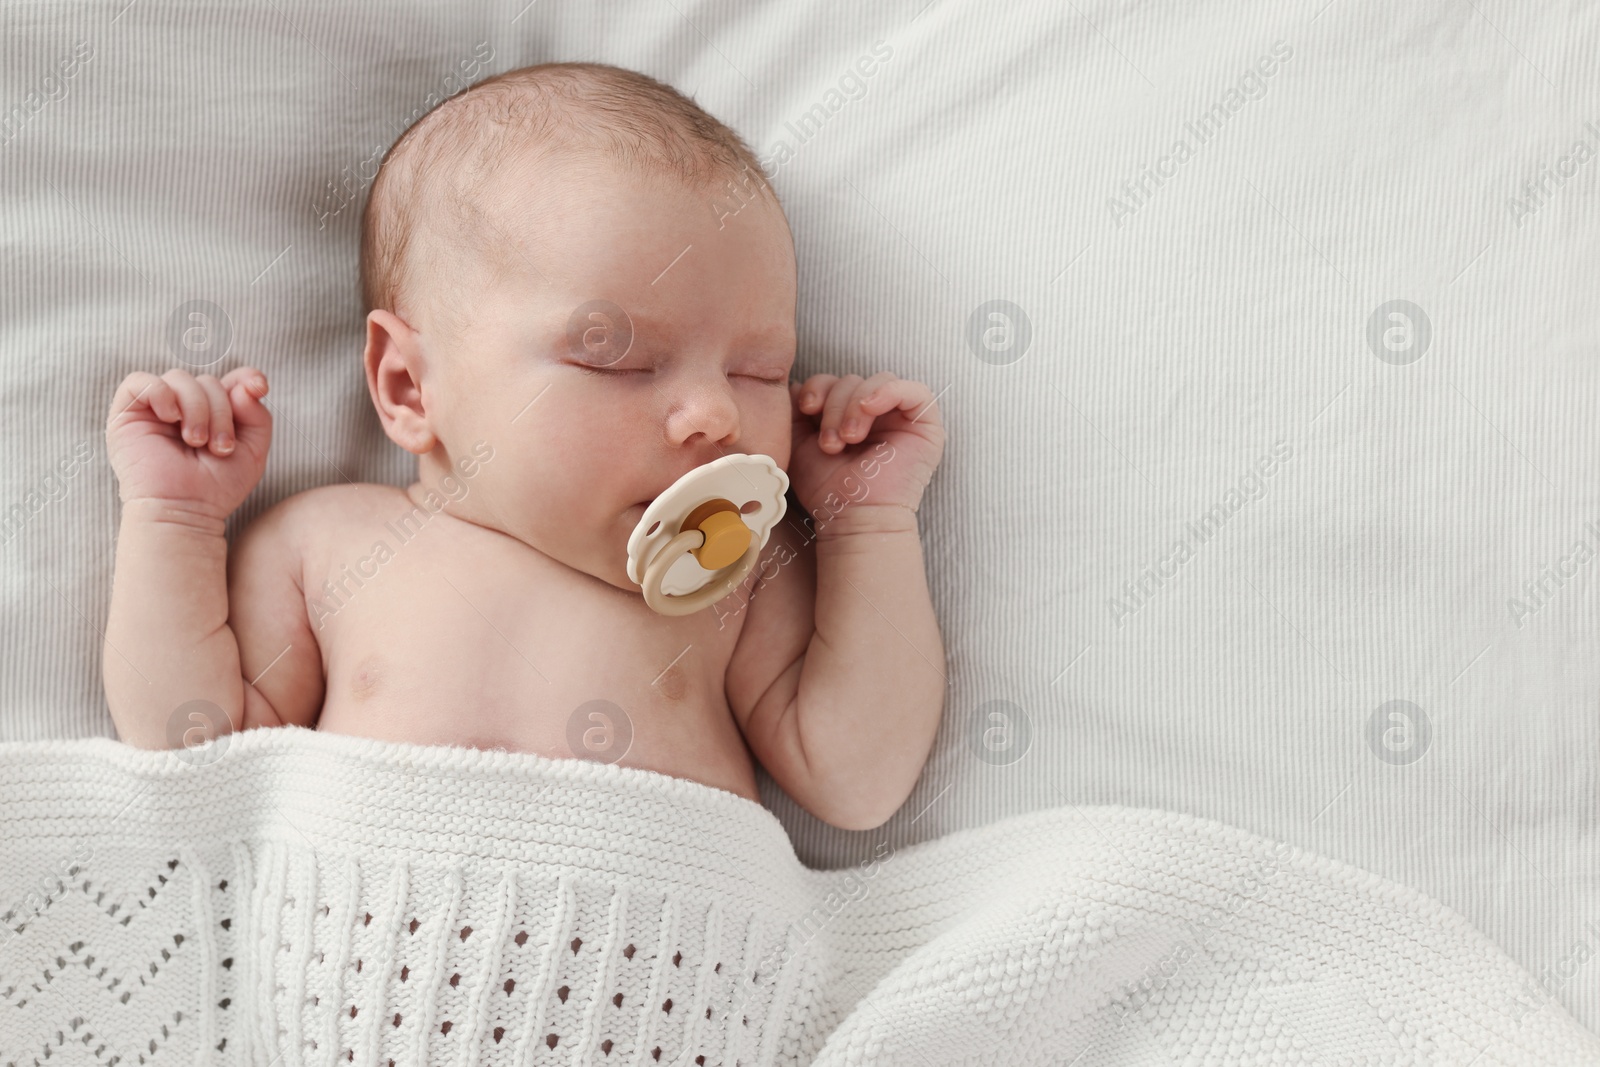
(851, 86)
(51, 86)
(1138, 190)
(1138, 591)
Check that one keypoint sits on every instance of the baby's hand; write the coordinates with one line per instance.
(862, 442)
(221, 451)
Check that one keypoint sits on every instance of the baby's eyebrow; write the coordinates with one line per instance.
(777, 331)
(649, 339)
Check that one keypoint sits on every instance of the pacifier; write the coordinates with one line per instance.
(697, 540)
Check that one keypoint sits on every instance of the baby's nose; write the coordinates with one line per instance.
(709, 410)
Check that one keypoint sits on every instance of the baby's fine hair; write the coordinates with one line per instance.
(432, 175)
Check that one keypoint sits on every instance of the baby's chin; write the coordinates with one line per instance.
(613, 571)
(614, 568)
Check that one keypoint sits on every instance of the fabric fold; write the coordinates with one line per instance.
(306, 898)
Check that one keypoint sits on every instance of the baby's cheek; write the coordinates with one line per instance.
(776, 431)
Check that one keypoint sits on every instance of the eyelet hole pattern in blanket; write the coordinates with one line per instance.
(297, 949)
(438, 985)
(308, 898)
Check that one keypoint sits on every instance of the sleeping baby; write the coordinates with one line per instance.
(579, 287)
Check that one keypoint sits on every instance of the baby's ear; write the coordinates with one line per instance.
(393, 361)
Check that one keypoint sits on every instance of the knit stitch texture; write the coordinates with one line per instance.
(293, 897)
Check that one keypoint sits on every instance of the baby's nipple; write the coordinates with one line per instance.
(672, 683)
(369, 672)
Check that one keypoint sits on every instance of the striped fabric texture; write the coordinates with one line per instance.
(1263, 335)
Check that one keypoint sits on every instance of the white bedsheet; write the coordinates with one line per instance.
(1180, 332)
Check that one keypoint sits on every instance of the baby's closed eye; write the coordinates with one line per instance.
(602, 371)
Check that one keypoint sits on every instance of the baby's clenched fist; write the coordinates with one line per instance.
(197, 440)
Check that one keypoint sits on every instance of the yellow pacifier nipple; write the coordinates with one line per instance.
(727, 537)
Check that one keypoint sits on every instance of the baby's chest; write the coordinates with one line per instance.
(468, 644)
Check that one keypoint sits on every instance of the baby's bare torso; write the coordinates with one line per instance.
(455, 634)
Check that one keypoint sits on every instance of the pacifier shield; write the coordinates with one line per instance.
(737, 490)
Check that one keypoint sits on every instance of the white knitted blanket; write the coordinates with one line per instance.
(308, 898)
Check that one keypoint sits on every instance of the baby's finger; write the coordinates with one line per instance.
(857, 420)
(247, 386)
(906, 394)
(220, 430)
(196, 409)
(814, 390)
(251, 420)
(833, 411)
(142, 389)
(245, 374)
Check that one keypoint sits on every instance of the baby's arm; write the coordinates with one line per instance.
(838, 682)
(871, 693)
(181, 472)
(167, 640)
(278, 652)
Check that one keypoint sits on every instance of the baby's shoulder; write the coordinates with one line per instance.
(329, 514)
(347, 498)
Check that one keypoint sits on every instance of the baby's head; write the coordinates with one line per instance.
(574, 265)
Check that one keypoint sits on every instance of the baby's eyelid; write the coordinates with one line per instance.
(587, 369)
